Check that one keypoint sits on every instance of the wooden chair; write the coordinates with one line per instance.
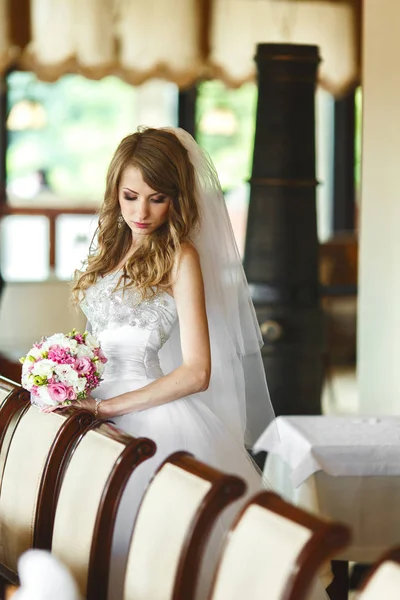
(383, 581)
(174, 520)
(34, 449)
(275, 550)
(35, 458)
(88, 501)
(14, 401)
(6, 387)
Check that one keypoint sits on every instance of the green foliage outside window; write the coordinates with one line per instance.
(71, 131)
(225, 120)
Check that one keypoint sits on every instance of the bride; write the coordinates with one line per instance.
(165, 293)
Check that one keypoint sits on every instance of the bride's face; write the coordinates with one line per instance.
(143, 209)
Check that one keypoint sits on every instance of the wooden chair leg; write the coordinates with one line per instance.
(339, 588)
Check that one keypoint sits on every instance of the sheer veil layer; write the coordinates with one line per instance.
(238, 392)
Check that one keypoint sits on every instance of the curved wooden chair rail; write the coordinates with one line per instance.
(6, 386)
(371, 587)
(188, 534)
(324, 541)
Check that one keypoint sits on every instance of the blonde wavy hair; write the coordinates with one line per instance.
(165, 166)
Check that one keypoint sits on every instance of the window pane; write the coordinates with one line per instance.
(24, 248)
(62, 135)
(73, 236)
(225, 121)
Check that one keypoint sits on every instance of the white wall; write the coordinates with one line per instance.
(379, 275)
(30, 310)
(325, 120)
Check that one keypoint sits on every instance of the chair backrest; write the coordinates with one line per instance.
(275, 549)
(383, 581)
(34, 450)
(90, 493)
(6, 387)
(14, 401)
(174, 520)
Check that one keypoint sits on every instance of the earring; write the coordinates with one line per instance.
(120, 221)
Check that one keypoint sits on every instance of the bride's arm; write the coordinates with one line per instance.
(194, 373)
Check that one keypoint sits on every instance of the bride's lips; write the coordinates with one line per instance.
(141, 225)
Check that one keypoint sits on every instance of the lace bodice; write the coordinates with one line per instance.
(131, 331)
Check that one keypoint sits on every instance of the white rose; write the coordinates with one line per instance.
(35, 352)
(44, 396)
(100, 368)
(44, 368)
(56, 338)
(71, 344)
(26, 380)
(66, 374)
(91, 341)
(83, 350)
(59, 339)
(80, 385)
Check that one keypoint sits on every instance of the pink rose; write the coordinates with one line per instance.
(83, 365)
(79, 338)
(58, 392)
(71, 393)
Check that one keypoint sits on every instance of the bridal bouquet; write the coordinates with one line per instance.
(61, 368)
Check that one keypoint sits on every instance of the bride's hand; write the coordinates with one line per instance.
(88, 404)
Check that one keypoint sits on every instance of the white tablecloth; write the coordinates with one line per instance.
(343, 468)
(336, 445)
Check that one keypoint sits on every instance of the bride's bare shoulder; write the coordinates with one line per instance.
(186, 260)
(187, 250)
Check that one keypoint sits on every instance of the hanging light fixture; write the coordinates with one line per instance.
(26, 114)
(219, 120)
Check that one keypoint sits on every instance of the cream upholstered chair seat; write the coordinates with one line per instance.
(88, 502)
(383, 582)
(275, 550)
(177, 513)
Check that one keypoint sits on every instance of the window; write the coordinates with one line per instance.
(61, 137)
(225, 121)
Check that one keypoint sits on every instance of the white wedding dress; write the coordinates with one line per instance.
(132, 333)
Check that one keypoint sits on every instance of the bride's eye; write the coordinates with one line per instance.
(128, 197)
(159, 199)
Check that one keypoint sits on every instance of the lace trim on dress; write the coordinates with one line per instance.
(103, 304)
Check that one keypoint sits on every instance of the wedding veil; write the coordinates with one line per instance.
(238, 392)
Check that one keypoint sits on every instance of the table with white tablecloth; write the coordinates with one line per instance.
(346, 468)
